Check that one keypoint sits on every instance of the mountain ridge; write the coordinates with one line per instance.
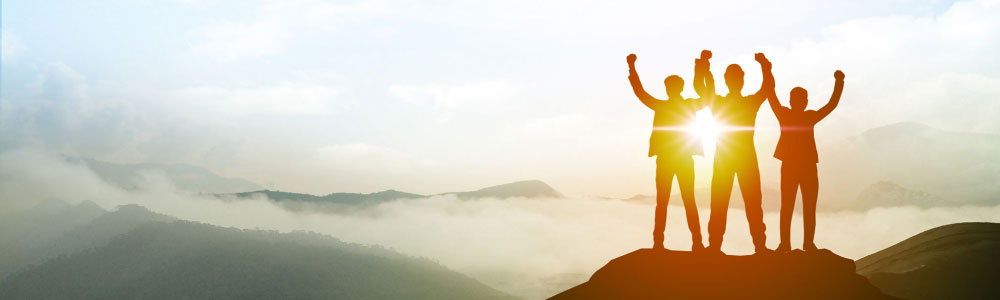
(187, 177)
(524, 188)
(190, 260)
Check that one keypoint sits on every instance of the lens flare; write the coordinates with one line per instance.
(705, 129)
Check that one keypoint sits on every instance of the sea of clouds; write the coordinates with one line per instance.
(528, 247)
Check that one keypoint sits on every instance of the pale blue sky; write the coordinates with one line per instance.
(432, 96)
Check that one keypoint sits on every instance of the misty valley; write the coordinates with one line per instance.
(117, 231)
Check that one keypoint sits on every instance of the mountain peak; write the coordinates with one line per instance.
(655, 274)
(888, 193)
(897, 129)
(524, 188)
(396, 193)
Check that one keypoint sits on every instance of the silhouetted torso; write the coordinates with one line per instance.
(670, 137)
(796, 143)
(741, 114)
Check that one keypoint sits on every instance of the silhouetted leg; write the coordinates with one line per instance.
(810, 189)
(685, 181)
(722, 188)
(664, 178)
(749, 178)
(789, 187)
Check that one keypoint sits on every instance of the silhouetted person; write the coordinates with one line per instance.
(673, 147)
(797, 151)
(735, 155)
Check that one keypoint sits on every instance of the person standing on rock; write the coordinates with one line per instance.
(673, 146)
(797, 151)
(735, 155)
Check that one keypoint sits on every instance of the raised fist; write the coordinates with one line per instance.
(631, 58)
(838, 75)
(759, 57)
(764, 63)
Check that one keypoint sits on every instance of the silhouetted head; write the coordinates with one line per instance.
(734, 79)
(799, 99)
(674, 85)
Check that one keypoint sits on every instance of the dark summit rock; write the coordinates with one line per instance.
(956, 261)
(662, 274)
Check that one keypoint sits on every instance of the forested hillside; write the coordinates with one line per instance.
(132, 253)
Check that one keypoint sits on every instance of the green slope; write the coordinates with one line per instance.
(185, 260)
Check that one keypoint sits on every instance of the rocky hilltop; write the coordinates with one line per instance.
(663, 274)
(956, 261)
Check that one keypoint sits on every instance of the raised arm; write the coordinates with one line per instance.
(703, 84)
(838, 88)
(772, 99)
(710, 85)
(766, 85)
(776, 107)
(633, 78)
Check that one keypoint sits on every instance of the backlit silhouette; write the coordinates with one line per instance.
(673, 147)
(797, 151)
(735, 155)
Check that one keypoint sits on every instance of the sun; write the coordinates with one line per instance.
(706, 129)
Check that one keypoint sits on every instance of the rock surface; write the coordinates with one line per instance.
(956, 261)
(663, 274)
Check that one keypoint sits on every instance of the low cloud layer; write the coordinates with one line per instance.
(510, 243)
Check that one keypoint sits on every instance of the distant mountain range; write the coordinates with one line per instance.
(523, 189)
(187, 177)
(200, 180)
(938, 167)
(888, 193)
(957, 261)
(961, 167)
(133, 253)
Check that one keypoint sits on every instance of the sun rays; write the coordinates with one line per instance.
(705, 129)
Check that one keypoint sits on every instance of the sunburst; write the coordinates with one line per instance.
(706, 129)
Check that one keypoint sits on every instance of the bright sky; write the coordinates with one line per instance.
(436, 96)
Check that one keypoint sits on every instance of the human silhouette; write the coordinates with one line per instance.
(797, 151)
(673, 147)
(735, 155)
